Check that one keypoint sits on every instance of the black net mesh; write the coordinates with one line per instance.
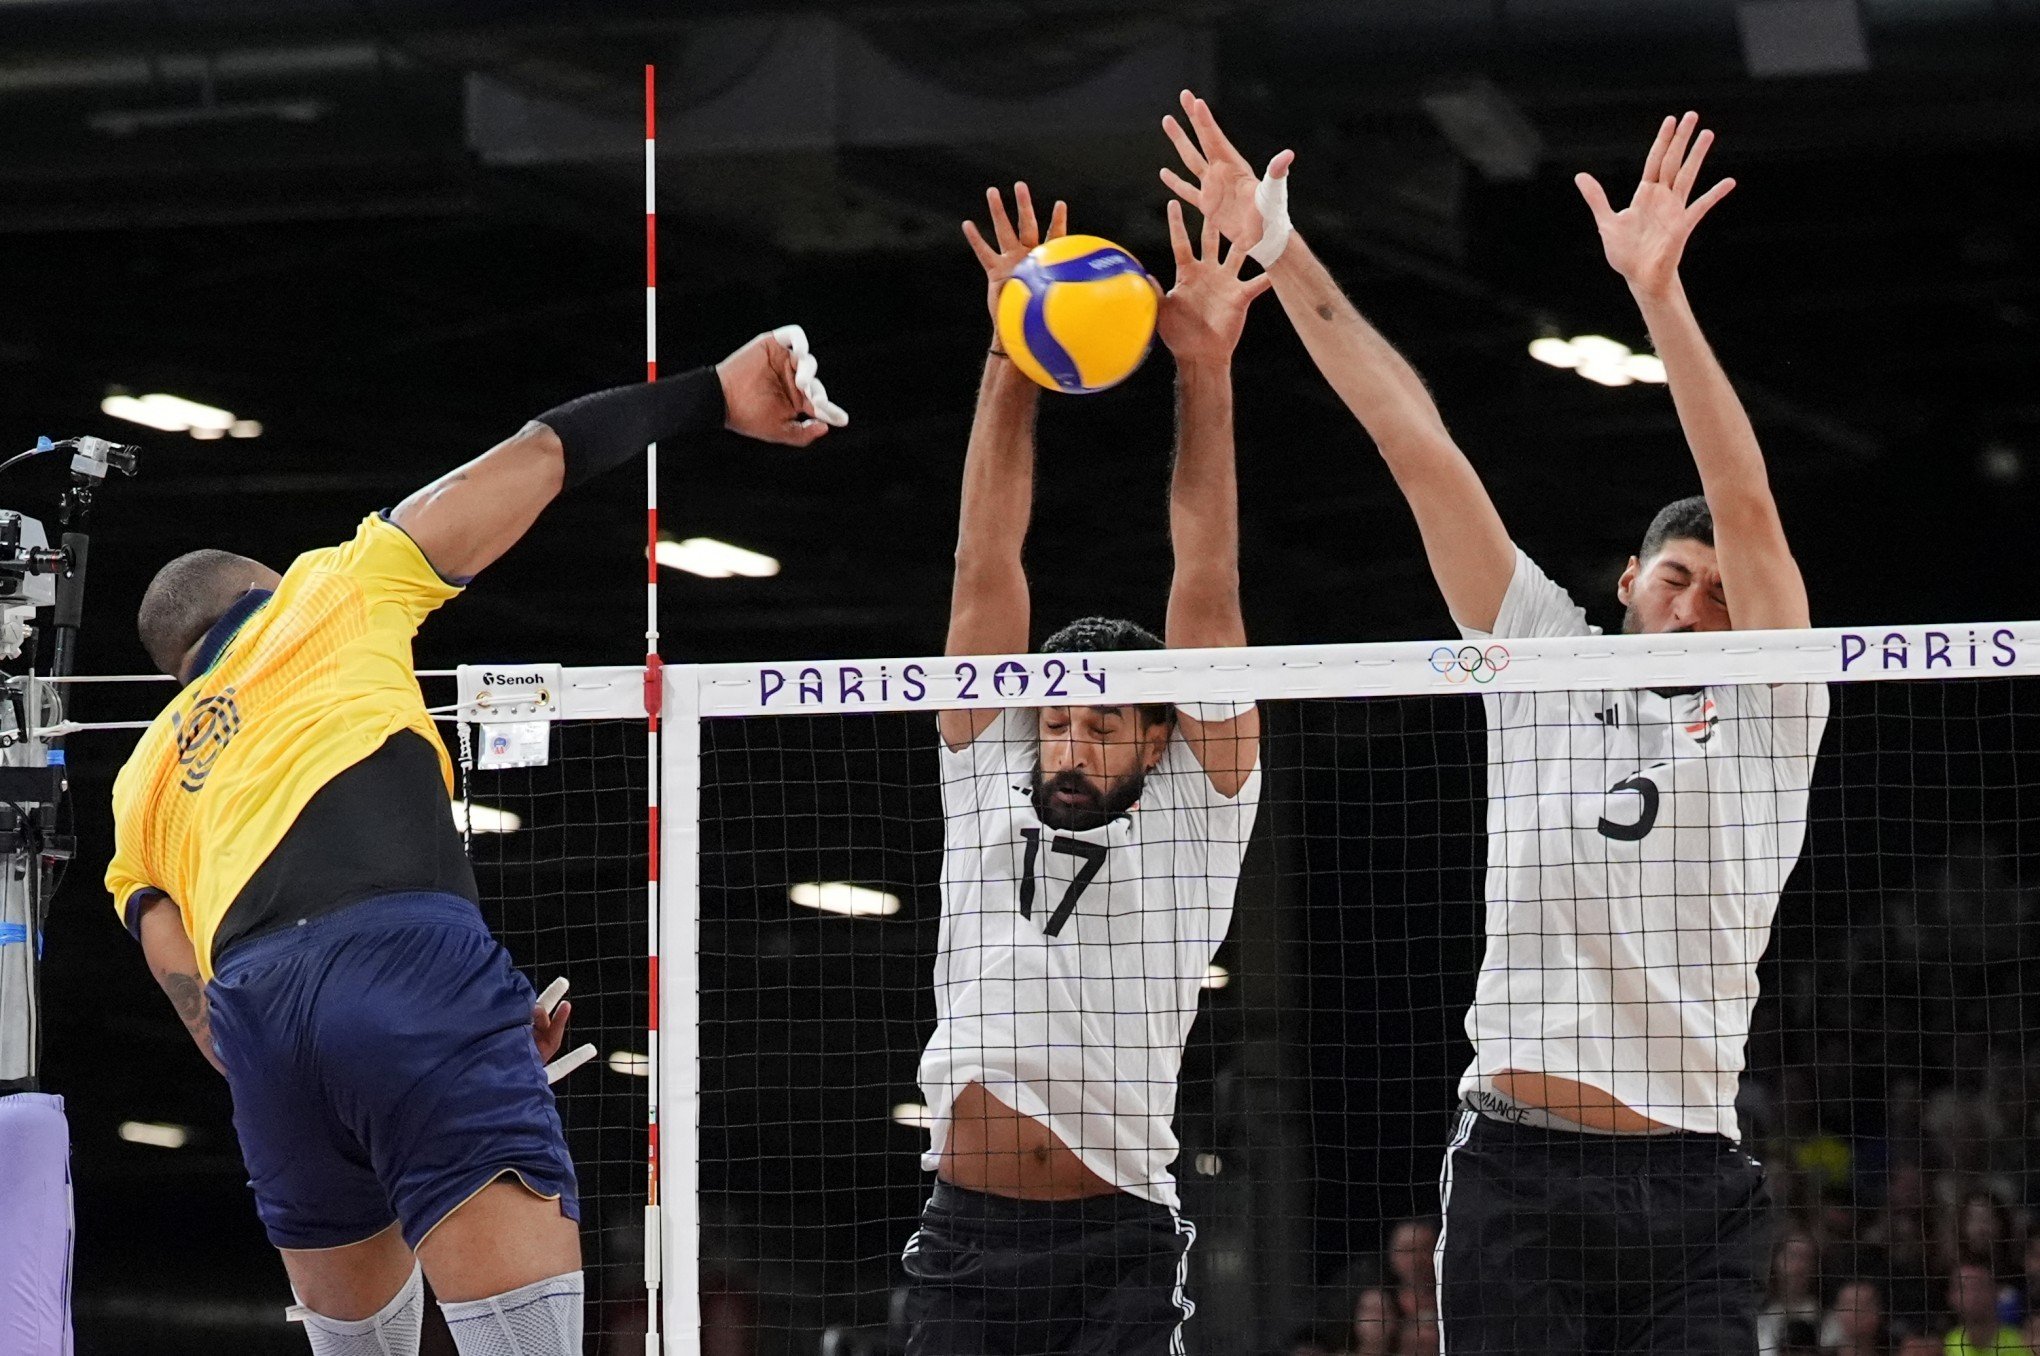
(1893, 1060)
(565, 892)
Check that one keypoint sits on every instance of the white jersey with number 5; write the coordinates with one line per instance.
(1070, 964)
(1637, 845)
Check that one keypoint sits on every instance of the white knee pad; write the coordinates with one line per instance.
(391, 1332)
(540, 1319)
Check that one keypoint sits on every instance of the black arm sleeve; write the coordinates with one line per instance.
(601, 432)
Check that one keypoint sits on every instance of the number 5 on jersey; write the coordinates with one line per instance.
(1094, 857)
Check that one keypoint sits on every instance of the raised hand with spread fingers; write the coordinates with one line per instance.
(1012, 238)
(1645, 240)
(1204, 314)
(1250, 210)
(1760, 583)
(1468, 547)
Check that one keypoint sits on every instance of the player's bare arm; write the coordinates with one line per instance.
(1644, 243)
(1469, 549)
(465, 520)
(1200, 322)
(174, 962)
(988, 605)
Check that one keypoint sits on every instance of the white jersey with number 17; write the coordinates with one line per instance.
(1070, 963)
(1637, 845)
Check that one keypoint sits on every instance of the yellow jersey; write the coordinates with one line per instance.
(311, 683)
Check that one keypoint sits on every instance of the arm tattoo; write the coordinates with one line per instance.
(188, 997)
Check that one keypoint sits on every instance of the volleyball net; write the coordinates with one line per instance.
(1893, 1059)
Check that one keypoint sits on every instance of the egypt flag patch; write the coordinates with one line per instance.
(1702, 729)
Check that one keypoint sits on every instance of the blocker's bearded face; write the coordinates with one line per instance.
(1093, 763)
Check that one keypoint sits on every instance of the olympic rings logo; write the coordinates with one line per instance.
(214, 721)
(1470, 661)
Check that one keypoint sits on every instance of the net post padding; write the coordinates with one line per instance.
(677, 1040)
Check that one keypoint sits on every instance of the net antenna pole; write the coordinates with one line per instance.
(654, 689)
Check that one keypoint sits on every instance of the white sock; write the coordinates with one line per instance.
(540, 1319)
(393, 1331)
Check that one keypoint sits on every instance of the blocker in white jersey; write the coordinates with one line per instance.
(1637, 845)
(1071, 962)
(1090, 860)
(1638, 841)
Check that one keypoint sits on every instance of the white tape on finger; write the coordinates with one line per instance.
(568, 1062)
(1272, 197)
(549, 1001)
(793, 338)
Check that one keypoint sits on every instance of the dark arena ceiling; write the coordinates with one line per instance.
(391, 231)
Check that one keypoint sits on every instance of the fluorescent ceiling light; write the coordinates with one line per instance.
(172, 414)
(1605, 361)
(1607, 374)
(1209, 1165)
(484, 819)
(1216, 976)
(712, 559)
(630, 1064)
(155, 1133)
(913, 1115)
(839, 896)
(245, 428)
(1645, 367)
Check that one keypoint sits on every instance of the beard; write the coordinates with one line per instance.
(1091, 809)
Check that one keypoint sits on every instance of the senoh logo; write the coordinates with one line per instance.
(1912, 651)
(203, 735)
(494, 679)
(1470, 662)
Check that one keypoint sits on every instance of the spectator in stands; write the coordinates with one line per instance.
(1792, 1296)
(1899, 1236)
(1420, 1332)
(1972, 1298)
(1855, 1327)
(1412, 1259)
(1377, 1323)
(1979, 1230)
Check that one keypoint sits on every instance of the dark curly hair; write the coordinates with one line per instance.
(1088, 635)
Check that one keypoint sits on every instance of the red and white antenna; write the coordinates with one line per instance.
(654, 686)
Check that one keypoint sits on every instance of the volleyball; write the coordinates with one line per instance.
(1078, 314)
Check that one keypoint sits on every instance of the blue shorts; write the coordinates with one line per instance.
(383, 1069)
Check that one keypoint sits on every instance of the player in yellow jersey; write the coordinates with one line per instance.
(286, 854)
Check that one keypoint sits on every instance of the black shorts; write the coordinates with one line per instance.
(1555, 1241)
(989, 1276)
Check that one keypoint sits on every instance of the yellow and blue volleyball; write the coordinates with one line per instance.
(1078, 314)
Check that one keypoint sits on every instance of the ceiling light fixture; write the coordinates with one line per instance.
(913, 1115)
(175, 414)
(484, 818)
(630, 1064)
(1608, 362)
(840, 896)
(712, 559)
(155, 1133)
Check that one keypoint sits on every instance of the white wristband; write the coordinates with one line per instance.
(1213, 713)
(1272, 197)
